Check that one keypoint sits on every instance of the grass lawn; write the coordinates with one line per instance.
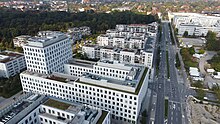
(166, 108)
(168, 67)
(57, 104)
(101, 119)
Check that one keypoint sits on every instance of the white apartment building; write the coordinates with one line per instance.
(11, 63)
(76, 33)
(37, 109)
(132, 56)
(196, 24)
(131, 36)
(196, 29)
(19, 41)
(122, 41)
(47, 52)
(106, 85)
(105, 68)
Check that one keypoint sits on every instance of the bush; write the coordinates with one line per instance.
(201, 51)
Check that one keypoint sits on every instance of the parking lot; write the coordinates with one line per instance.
(16, 109)
(187, 42)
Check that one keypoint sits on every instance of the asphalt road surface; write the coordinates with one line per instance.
(160, 81)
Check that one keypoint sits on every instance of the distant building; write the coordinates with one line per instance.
(47, 52)
(132, 44)
(19, 41)
(58, 6)
(128, 56)
(121, 9)
(131, 36)
(11, 63)
(196, 24)
(195, 74)
(37, 109)
(77, 32)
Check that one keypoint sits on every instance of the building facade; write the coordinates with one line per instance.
(131, 36)
(47, 52)
(76, 33)
(195, 24)
(132, 56)
(11, 63)
(117, 90)
(39, 109)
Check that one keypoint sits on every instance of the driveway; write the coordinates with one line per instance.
(202, 62)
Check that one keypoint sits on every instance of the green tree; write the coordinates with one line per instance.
(212, 42)
(191, 50)
(185, 34)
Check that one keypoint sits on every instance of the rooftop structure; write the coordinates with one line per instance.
(19, 41)
(9, 56)
(195, 74)
(41, 109)
(46, 38)
(11, 63)
(104, 68)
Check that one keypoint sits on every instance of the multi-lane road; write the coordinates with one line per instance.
(161, 80)
(169, 87)
(175, 103)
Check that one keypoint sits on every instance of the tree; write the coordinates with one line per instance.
(191, 50)
(19, 49)
(200, 93)
(212, 42)
(15, 23)
(185, 34)
(201, 51)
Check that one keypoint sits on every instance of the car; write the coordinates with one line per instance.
(174, 106)
(15, 105)
(7, 118)
(159, 86)
(12, 114)
(3, 120)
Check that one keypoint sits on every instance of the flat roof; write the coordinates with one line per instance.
(138, 84)
(57, 104)
(20, 106)
(56, 78)
(23, 37)
(83, 63)
(129, 50)
(7, 56)
(114, 64)
(46, 38)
